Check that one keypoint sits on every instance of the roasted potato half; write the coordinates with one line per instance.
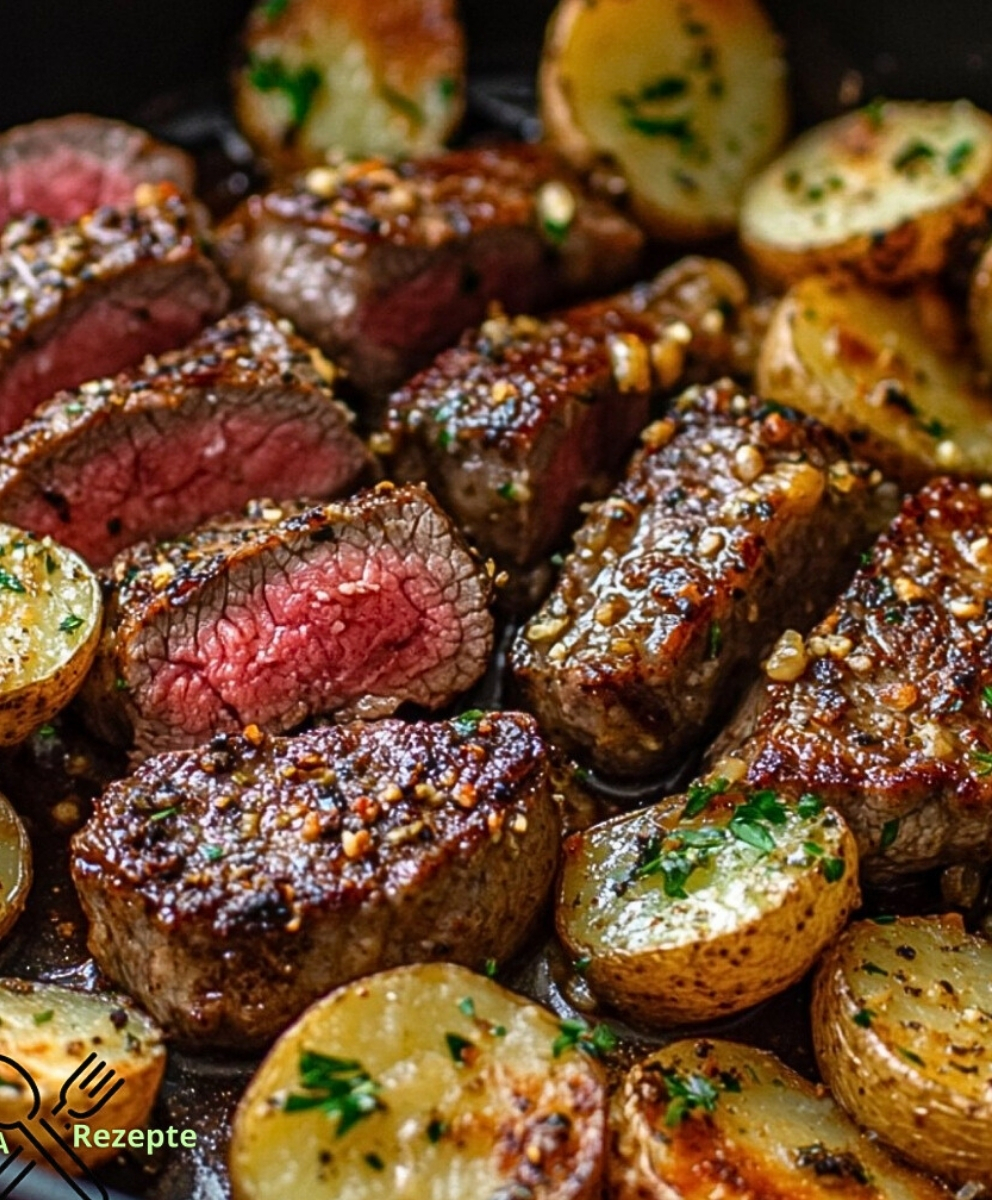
(50, 619)
(350, 77)
(902, 1025)
(883, 192)
(71, 1059)
(980, 307)
(423, 1083)
(687, 99)
(15, 866)
(705, 904)
(704, 1119)
(869, 365)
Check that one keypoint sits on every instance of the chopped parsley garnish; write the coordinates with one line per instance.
(576, 1035)
(46, 731)
(445, 438)
(467, 1007)
(809, 805)
(299, 86)
(936, 429)
(958, 157)
(862, 1018)
(874, 112)
(890, 831)
(700, 794)
(913, 154)
(42, 1018)
(121, 684)
(164, 812)
(507, 491)
(70, 623)
(984, 759)
(374, 1161)
(468, 721)
(750, 821)
(436, 1130)
(581, 965)
(339, 1087)
(409, 108)
(273, 9)
(490, 968)
(987, 696)
(884, 919)
(714, 641)
(832, 869)
(447, 87)
(694, 1093)
(910, 1056)
(457, 1045)
(871, 968)
(213, 853)
(10, 583)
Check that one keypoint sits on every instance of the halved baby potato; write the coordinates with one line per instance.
(883, 192)
(15, 866)
(902, 1025)
(423, 1083)
(686, 97)
(350, 77)
(705, 904)
(868, 365)
(71, 1058)
(51, 612)
(705, 1119)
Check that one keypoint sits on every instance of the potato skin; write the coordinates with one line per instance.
(16, 868)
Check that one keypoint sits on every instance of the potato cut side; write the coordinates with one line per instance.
(69, 1043)
(708, 903)
(883, 192)
(15, 866)
(423, 1083)
(868, 365)
(902, 1025)
(350, 77)
(50, 618)
(709, 1119)
(686, 98)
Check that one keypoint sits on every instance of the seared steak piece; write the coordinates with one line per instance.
(384, 265)
(67, 166)
(230, 886)
(735, 519)
(525, 419)
(243, 411)
(92, 298)
(349, 608)
(884, 709)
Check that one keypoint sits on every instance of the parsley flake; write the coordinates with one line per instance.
(575, 1034)
(299, 87)
(457, 1045)
(70, 623)
(339, 1087)
(10, 583)
(890, 831)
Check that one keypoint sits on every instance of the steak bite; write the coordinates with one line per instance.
(385, 265)
(243, 411)
(883, 709)
(228, 887)
(525, 419)
(349, 608)
(64, 167)
(92, 298)
(734, 519)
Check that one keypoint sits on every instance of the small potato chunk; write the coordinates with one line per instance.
(423, 1083)
(50, 618)
(69, 1043)
(15, 866)
(687, 99)
(350, 77)
(708, 903)
(902, 1025)
(700, 1120)
(870, 366)
(883, 192)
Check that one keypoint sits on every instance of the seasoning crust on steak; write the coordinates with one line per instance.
(883, 710)
(230, 886)
(246, 410)
(349, 608)
(89, 299)
(680, 580)
(384, 265)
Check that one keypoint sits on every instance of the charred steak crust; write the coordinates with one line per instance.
(64, 167)
(92, 298)
(680, 579)
(889, 720)
(229, 887)
(245, 410)
(526, 418)
(349, 608)
(383, 265)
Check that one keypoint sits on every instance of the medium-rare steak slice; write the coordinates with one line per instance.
(243, 411)
(885, 708)
(230, 886)
(349, 608)
(90, 299)
(64, 167)
(525, 419)
(735, 519)
(385, 265)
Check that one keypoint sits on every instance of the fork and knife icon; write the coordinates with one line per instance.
(97, 1088)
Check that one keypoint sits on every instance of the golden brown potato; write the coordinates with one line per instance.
(707, 1119)
(424, 1083)
(688, 100)
(980, 307)
(95, 1060)
(51, 612)
(883, 192)
(869, 365)
(707, 903)
(902, 1025)
(15, 866)
(350, 77)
